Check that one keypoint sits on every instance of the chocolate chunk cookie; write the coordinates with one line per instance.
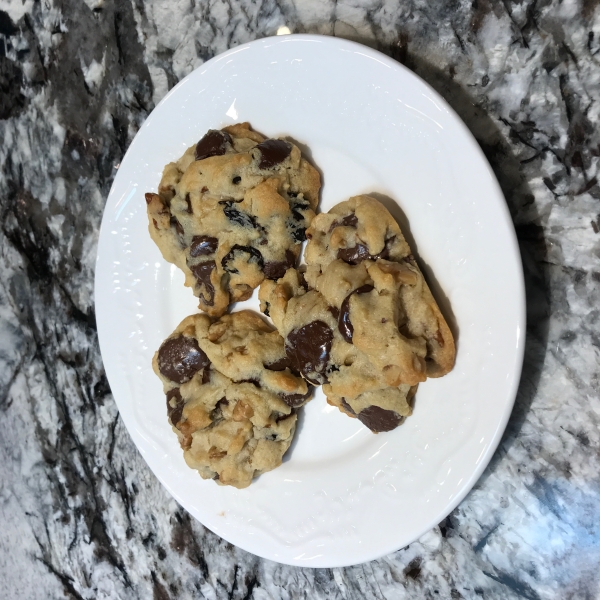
(231, 395)
(359, 260)
(233, 211)
(361, 321)
(317, 349)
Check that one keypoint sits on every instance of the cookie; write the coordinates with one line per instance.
(231, 395)
(361, 321)
(233, 211)
(397, 322)
(315, 346)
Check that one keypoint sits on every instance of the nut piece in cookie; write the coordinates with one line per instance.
(231, 395)
(232, 211)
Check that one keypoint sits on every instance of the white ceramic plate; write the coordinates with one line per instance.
(343, 495)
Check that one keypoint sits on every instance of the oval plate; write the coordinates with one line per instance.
(343, 495)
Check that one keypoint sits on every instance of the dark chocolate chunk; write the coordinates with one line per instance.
(348, 221)
(235, 215)
(344, 325)
(308, 348)
(202, 273)
(189, 203)
(273, 152)
(296, 400)
(175, 223)
(253, 255)
(276, 269)
(358, 253)
(379, 419)
(203, 245)
(347, 407)
(236, 179)
(179, 358)
(206, 375)
(174, 412)
(214, 143)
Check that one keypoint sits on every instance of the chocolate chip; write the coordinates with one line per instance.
(379, 419)
(214, 143)
(149, 197)
(175, 223)
(206, 375)
(348, 221)
(358, 253)
(203, 245)
(175, 412)
(236, 179)
(189, 203)
(308, 348)
(236, 251)
(180, 358)
(276, 269)
(280, 365)
(235, 215)
(296, 400)
(348, 407)
(344, 325)
(202, 272)
(273, 152)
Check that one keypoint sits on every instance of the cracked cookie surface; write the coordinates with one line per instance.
(233, 211)
(231, 395)
(361, 321)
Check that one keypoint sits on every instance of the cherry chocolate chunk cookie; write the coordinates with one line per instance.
(361, 321)
(231, 395)
(233, 211)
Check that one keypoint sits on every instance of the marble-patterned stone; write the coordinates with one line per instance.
(81, 516)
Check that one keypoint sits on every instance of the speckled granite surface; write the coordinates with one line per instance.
(81, 516)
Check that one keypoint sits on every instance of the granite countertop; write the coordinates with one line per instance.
(81, 515)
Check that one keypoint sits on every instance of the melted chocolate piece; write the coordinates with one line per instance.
(237, 216)
(296, 400)
(308, 348)
(358, 253)
(276, 269)
(348, 221)
(214, 143)
(280, 365)
(180, 358)
(253, 256)
(175, 412)
(202, 273)
(175, 223)
(379, 419)
(348, 407)
(189, 203)
(344, 325)
(236, 180)
(273, 152)
(205, 375)
(149, 197)
(203, 245)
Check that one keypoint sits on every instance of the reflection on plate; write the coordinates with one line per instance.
(343, 495)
